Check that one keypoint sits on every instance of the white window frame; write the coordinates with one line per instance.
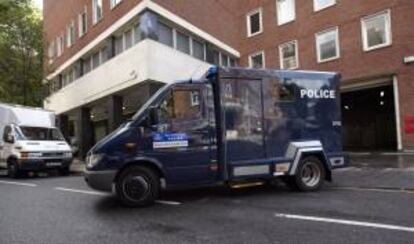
(70, 29)
(95, 19)
(195, 102)
(251, 56)
(317, 8)
(80, 22)
(114, 3)
(278, 11)
(296, 43)
(248, 23)
(388, 30)
(60, 42)
(337, 45)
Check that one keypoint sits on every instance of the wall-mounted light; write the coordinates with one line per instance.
(382, 94)
(346, 107)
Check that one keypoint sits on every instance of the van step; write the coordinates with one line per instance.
(238, 185)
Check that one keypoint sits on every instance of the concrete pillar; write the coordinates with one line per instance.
(115, 118)
(85, 131)
(63, 125)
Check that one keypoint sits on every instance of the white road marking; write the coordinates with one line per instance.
(168, 202)
(96, 193)
(374, 189)
(346, 222)
(17, 183)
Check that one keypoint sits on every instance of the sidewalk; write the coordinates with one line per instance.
(377, 170)
(77, 166)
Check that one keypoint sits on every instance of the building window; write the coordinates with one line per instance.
(213, 56)
(254, 23)
(128, 39)
(285, 11)
(327, 45)
(83, 23)
(86, 65)
(288, 53)
(97, 11)
(322, 4)
(257, 60)
(60, 41)
(51, 51)
(96, 60)
(137, 33)
(232, 62)
(224, 60)
(104, 54)
(376, 31)
(165, 35)
(195, 98)
(183, 43)
(113, 3)
(70, 34)
(119, 44)
(198, 50)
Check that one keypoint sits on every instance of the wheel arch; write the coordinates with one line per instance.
(146, 162)
(318, 153)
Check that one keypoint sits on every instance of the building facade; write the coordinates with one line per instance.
(105, 58)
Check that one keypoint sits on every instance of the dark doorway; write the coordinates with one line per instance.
(369, 119)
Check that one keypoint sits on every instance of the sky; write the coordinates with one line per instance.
(38, 3)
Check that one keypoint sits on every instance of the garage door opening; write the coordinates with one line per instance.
(369, 122)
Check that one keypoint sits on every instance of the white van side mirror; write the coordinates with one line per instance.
(9, 138)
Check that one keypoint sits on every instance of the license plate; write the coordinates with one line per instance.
(53, 164)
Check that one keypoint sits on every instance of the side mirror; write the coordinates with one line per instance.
(9, 138)
(152, 116)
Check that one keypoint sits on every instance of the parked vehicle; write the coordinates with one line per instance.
(237, 127)
(30, 141)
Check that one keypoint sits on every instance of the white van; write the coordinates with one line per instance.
(29, 141)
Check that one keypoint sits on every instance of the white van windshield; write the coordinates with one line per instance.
(39, 134)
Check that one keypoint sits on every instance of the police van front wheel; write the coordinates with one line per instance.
(310, 175)
(137, 186)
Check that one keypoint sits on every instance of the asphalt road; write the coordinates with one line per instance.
(64, 210)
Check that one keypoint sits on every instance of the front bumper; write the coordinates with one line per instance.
(44, 164)
(100, 180)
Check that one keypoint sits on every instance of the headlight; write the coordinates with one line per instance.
(67, 154)
(92, 160)
(30, 154)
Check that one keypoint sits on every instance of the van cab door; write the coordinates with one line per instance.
(182, 138)
(6, 145)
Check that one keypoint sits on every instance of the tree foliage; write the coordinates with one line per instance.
(21, 53)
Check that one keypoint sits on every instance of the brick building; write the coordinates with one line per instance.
(107, 57)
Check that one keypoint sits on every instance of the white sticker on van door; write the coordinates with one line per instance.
(170, 140)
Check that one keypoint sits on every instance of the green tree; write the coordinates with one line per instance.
(21, 53)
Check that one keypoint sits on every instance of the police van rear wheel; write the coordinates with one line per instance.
(310, 175)
(138, 186)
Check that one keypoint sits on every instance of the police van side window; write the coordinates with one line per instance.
(286, 92)
(180, 107)
(281, 90)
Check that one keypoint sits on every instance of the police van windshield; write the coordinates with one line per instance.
(26, 133)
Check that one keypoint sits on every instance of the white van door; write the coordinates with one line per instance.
(5, 146)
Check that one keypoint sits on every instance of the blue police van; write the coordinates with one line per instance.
(237, 127)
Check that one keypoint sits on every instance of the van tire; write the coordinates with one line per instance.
(13, 169)
(137, 186)
(310, 175)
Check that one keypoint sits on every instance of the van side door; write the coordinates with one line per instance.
(5, 147)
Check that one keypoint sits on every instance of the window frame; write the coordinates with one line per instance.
(81, 24)
(95, 19)
(388, 30)
(278, 10)
(70, 34)
(248, 22)
(114, 3)
(281, 58)
(337, 45)
(251, 56)
(317, 8)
